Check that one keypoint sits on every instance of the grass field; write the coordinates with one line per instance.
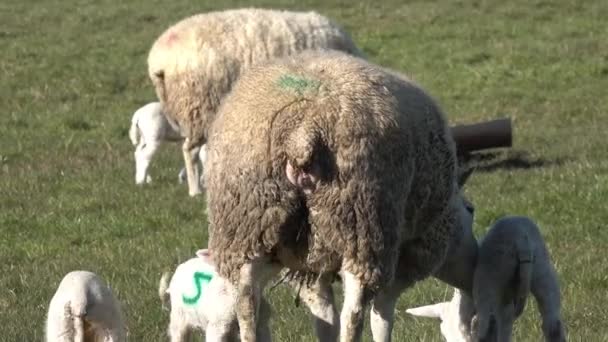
(73, 72)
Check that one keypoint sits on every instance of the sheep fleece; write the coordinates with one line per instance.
(387, 161)
(194, 62)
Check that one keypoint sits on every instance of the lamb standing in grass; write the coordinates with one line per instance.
(513, 261)
(84, 310)
(149, 128)
(324, 163)
(200, 299)
(194, 62)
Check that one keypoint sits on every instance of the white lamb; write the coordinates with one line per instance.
(84, 309)
(513, 261)
(201, 299)
(149, 128)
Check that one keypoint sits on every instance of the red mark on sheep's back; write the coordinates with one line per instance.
(171, 38)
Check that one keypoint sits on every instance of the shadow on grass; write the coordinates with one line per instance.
(508, 160)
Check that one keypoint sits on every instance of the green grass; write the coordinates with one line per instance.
(73, 72)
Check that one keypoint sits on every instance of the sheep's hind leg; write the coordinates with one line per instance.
(180, 333)
(319, 298)
(353, 309)
(382, 314)
(246, 303)
(143, 156)
(545, 288)
(190, 160)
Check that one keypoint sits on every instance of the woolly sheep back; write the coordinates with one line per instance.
(194, 62)
(388, 161)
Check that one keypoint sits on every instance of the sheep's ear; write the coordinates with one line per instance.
(433, 311)
(204, 254)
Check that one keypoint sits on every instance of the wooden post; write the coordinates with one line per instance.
(483, 135)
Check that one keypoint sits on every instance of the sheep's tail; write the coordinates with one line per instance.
(525, 263)
(134, 133)
(163, 292)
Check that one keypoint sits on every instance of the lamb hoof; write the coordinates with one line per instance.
(148, 179)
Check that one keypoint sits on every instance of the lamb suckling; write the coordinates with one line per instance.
(322, 162)
(513, 261)
(194, 63)
(84, 309)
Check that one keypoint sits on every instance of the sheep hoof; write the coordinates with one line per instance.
(194, 193)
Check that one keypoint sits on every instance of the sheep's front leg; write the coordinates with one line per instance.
(246, 304)
(353, 309)
(190, 161)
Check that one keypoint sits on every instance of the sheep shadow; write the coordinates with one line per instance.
(507, 160)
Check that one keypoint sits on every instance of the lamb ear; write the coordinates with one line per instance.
(433, 310)
(204, 254)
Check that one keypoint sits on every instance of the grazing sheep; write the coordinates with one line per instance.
(149, 128)
(324, 163)
(194, 62)
(84, 310)
(513, 260)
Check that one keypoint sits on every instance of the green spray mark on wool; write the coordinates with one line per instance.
(201, 280)
(297, 83)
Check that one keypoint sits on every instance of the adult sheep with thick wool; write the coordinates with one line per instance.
(324, 163)
(194, 63)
